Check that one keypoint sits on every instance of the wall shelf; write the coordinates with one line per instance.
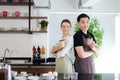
(15, 3)
(20, 31)
(23, 17)
(11, 31)
(29, 17)
(39, 31)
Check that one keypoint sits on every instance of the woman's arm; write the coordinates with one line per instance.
(56, 48)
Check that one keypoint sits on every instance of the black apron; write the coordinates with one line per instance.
(84, 66)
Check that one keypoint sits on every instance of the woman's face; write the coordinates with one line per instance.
(84, 24)
(65, 27)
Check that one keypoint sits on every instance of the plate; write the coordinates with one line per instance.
(33, 78)
(20, 78)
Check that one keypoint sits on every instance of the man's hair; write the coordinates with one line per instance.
(82, 16)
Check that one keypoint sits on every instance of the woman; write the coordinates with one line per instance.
(84, 46)
(63, 48)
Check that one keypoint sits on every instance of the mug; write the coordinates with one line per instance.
(17, 13)
(62, 42)
(4, 13)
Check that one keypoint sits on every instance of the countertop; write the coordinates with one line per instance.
(31, 64)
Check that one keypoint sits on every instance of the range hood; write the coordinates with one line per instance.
(42, 4)
(87, 3)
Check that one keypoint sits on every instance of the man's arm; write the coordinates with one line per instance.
(83, 54)
(95, 48)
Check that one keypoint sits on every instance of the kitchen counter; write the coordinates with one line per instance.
(34, 69)
(25, 64)
(31, 64)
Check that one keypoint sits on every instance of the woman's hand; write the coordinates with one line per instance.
(61, 44)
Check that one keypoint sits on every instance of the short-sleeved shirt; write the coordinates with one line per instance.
(80, 40)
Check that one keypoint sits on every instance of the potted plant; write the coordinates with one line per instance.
(98, 32)
(44, 25)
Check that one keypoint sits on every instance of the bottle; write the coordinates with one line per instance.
(43, 50)
(34, 52)
(38, 52)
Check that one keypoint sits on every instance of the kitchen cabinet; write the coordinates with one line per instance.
(29, 67)
(3, 74)
(29, 18)
(34, 69)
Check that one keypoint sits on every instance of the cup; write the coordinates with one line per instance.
(4, 13)
(17, 13)
(74, 76)
(55, 73)
(66, 76)
(62, 42)
(89, 41)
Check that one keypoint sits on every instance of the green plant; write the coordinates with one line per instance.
(44, 24)
(95, 29)
(97, 76)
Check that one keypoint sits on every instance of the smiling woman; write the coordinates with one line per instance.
(63, 49)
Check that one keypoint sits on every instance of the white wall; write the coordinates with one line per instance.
(70, 5)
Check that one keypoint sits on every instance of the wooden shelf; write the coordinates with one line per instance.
(17, 31)
(39, 31)
(40, 17)
(13, 31)
(12, 17)
(16, 3)
(23, 17)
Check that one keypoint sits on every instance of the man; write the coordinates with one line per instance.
(84, 47)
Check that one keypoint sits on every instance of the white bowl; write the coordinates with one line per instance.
(33, 78)
(47, 76)
(20, 78)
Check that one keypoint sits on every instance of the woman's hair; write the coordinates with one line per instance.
(65, 20)
(82, 16)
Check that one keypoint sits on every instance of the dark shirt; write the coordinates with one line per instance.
(79, 40)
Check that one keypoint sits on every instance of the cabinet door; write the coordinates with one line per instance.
(3, 74)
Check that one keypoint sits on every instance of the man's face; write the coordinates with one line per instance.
(84, 24)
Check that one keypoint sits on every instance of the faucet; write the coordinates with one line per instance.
(6, 50)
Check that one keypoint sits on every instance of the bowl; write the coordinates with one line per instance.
(33, 78)
(47, 76)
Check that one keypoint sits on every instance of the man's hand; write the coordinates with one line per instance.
(94, 47)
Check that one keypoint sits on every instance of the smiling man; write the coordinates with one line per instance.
(84, 47)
